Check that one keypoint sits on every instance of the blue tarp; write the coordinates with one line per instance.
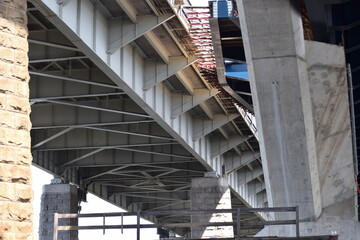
(237, 71)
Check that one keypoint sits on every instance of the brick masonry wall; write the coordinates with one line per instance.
(15, 125)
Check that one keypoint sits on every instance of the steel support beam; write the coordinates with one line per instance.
(130, 133)
(128, 9)
(82, 157)
(45, 99)
(220, 146)
(156, 72)
(185, 82)
(62, 132)
(234, 163)
(97, 124)
(203, 126)
(88, 147)
(130, 70)
(246, 176)
(182, 102)
(55, 45)
(57, 59)
(97, 108)
(158, 46)
(122, 31)
(52, 76)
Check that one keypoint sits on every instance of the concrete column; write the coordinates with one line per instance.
(302, 112)
(57, 198)
(15, 155)
(275, 53)
(209, 193)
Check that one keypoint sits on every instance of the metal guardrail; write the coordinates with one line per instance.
(236, 223)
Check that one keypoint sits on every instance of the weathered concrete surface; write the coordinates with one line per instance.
(329, 99)
(347, 230)
(211, 193)
(15, 155)
(307, 121)
(275, 54)
(57, 198)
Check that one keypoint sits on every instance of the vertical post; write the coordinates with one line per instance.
(238, 223)
(122, 223)
(104, 224)
(352, 115)
(138, 225)
(297, 221)
(56, 220)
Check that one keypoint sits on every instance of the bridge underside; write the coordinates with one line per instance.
(120, 109)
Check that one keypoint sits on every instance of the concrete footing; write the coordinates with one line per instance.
(58, 198)
(209, 193)
(347, 230)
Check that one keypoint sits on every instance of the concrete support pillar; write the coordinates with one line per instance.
(275, 52)
(302, 112)
(15, 155)
(209, 193)
(58, 198)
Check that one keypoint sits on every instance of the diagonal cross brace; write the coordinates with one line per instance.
(181, 103)
(204, 126)
(156, 72)
(124, 31)
(234, 163)
(221, 146)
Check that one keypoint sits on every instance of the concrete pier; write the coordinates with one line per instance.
(301, 105)
(58, 198)
(209, 193)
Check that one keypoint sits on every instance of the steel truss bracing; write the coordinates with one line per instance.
(120, 107)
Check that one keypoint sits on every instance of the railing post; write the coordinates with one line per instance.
(104, 224)
(238, 224)
(56, 221)
(122, 223)
(297, 222)
(138, 225)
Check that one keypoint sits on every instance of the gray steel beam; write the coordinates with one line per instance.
(55, 45)
(128, 9)
(91, 165)
(126, 68)
(234, 163)
(203, 127)
(57, 59)
(97, 108)
(130, 133)
(123, 31)
(246, 176)
(56, 135)
(97, 124)
(158, 46)
(82, 157)
(45, 99)
(103, 146)
(220, 146)
(52, 76)
(182, 102)
(156, 72)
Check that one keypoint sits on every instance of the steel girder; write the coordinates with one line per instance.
(106, 116)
